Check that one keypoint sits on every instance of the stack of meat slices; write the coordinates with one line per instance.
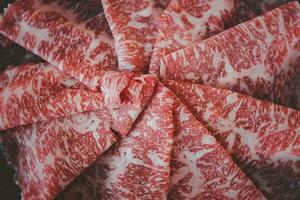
(152, 99)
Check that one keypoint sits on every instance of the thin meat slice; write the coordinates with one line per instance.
(134, 27)
(37, 92)
(137, 167)
(49, 155)
(259, 57)
(263, 138)
(184, 22)
(200, 167)
(71, 35)
(126, 95)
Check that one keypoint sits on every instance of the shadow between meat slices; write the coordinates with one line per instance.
(262, 6)
(138, 166)
(49, 155)
(259, 57)
(185, 22)
(71, 35)
(296, 90)
(134, 27)
(38, 92)
(263, 138)
(13, 54)
(200, 167)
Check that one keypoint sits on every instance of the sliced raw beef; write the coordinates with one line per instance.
(35, 92)
(258, 57)
(38, 92)
(184, 22)
(138, 166)
(200, 167)
(49, 155)
(134, 25)
(71, 35)
(126, 95)
(263, 138)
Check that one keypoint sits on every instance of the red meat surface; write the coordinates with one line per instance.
(134, 25)
(259, 57)
(71, 35)
(263, 138)
(49, 155)
(184, 22)
(200, 167)
(138, 166)
(80, 118)
(38, 92)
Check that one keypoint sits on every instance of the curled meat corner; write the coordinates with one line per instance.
(126, 94)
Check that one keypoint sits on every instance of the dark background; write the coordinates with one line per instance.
(3, 4)
(8, 189)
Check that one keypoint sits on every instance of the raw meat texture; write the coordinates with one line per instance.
(71, 35)
(184, 22)
(263, 138)
(49, 155)
(200, 167)
(126, 95)
(138, 166)
(38, 92)
(258, 57)
(13, 54)
(134, 25)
